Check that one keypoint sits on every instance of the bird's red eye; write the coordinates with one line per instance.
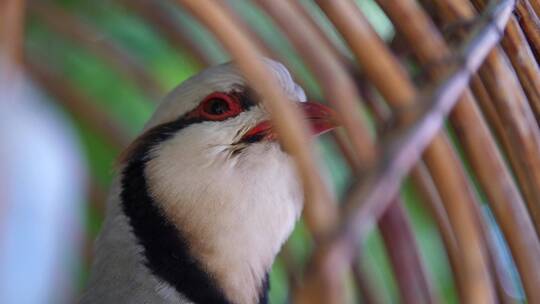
(219, 106)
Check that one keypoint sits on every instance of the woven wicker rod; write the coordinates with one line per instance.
(405, 149)
(371, 196)
(494, 176)
(413, 285)
(442, 161)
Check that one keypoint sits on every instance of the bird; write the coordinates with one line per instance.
(204, 197)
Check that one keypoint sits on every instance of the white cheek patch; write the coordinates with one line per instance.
(234, 216)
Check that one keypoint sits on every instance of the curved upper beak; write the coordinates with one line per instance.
(319, 117)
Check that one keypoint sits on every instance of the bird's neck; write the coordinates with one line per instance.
(231, 217)
(199, 264)
(130, 265)
(208, 230)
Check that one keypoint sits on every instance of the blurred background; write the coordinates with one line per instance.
(94, 72)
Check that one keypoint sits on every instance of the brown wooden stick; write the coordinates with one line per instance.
(530, 24)
(515, 114)
(520, 135)
(435, 158)
(522, 58)
(338, 87)
(521, 55)
(494, 177)
(85, 35)
(392, 219)
(411, 277)
(295, 35)
(499, 269)
(304, 49)
(504, 199)
(432, 201)
(385, 72)
(401, 246)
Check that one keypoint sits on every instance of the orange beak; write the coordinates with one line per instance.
(319, 117)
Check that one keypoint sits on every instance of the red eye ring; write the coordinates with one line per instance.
(219, 106)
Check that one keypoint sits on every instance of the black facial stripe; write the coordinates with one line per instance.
(165, 249)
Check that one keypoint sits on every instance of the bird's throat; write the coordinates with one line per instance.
(197, 270)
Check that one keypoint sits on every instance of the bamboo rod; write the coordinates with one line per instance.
(432, 201)
(385, 72)
(392, 218)
(521, 55)
(364, 286)
(289, 124)
(506, 203)
(328, 69)
(527, 69)
(482, 96)
(495, 178)
(518, 130)
(338, 88)
(476, 256)
(318, 32)
(401, 246)
(85, 35)
(77, 103)
(423, 182)
(499, 268)
(409, 280)
(530, 24)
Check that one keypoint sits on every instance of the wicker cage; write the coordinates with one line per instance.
(451, 103)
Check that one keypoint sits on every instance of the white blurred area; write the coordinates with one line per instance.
(42, 196)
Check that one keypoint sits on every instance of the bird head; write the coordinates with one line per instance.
(209, 193)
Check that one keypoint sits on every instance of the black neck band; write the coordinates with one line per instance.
(165, 250)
